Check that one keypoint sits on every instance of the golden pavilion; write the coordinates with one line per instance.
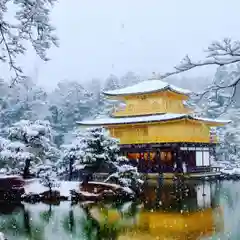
(157, 131)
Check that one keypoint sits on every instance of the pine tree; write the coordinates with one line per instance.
(229, 148)
(14, 157)
(48, 176)
(36, 140)
(27, 22)
(98, 150)
(70, 102)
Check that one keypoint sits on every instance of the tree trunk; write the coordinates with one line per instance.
(50, 191)
(27, 224)
(70, 169)
(26, 171)
(71, 220)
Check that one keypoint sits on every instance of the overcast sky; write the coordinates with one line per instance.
(102, 37)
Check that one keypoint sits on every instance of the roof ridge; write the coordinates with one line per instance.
(146, 86)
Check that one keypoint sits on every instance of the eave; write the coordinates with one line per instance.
(167, 88)
(159, 118)
(147, 87)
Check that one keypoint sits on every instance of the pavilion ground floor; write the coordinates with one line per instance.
(170, 157)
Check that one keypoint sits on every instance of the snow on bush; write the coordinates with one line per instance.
(13, 155)
(126, 175)
(97, 148)
(48, 176)
(229, 148)
(90, 150)
(29, 143)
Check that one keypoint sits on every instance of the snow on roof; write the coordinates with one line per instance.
(221, 121)
(150, 118)
(148, 86)
(127, 120)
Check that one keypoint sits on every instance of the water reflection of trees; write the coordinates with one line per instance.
(177, 197)
(19, 223)
(180, 196)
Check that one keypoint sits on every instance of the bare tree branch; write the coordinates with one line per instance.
(219, 53)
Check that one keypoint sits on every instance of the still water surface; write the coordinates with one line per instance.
(196, 211)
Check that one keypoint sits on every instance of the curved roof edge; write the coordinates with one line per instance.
(149, 86)
(149, 118)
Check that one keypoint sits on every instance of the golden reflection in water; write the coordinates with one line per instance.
(184, 219)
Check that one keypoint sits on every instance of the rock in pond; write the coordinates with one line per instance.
(100, 191)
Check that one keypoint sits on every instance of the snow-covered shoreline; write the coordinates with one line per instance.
(34, 186)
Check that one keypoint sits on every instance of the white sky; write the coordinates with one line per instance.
(100, 37)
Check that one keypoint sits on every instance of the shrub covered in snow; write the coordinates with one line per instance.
(126, 175)
(70, 154)
(37, 136)
(92, 151)
(97, 149)
(29, 143)
(48, 176)
(14, 156)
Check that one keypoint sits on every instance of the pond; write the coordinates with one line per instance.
(193, 210)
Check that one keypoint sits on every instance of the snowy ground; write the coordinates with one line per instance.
(228, 168)
(34, 186)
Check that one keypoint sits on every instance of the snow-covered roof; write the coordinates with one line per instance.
(148, 86)
(148, 118)
(221, 121)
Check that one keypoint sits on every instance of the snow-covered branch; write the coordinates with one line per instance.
(31, 24)
(219, 53)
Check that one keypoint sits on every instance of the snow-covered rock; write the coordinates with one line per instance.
(228, 171)
(232, 171)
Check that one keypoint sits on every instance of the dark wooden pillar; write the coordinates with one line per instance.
(159, 163)
(26, 170)
(71, 161)
(179, 162)
(149, 165)
(141, 162)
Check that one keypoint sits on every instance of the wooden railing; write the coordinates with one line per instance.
(216, 169)
(204, 169)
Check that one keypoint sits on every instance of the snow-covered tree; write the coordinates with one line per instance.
(129, 79)
(92, 150)
(24, 100)
(229, 148)
(111, 83)
(23, 22)
(48, 176)
(70, 102)
(36, 136)
(14, 157)
(126, 175)
(71, 153)
(98, 149)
